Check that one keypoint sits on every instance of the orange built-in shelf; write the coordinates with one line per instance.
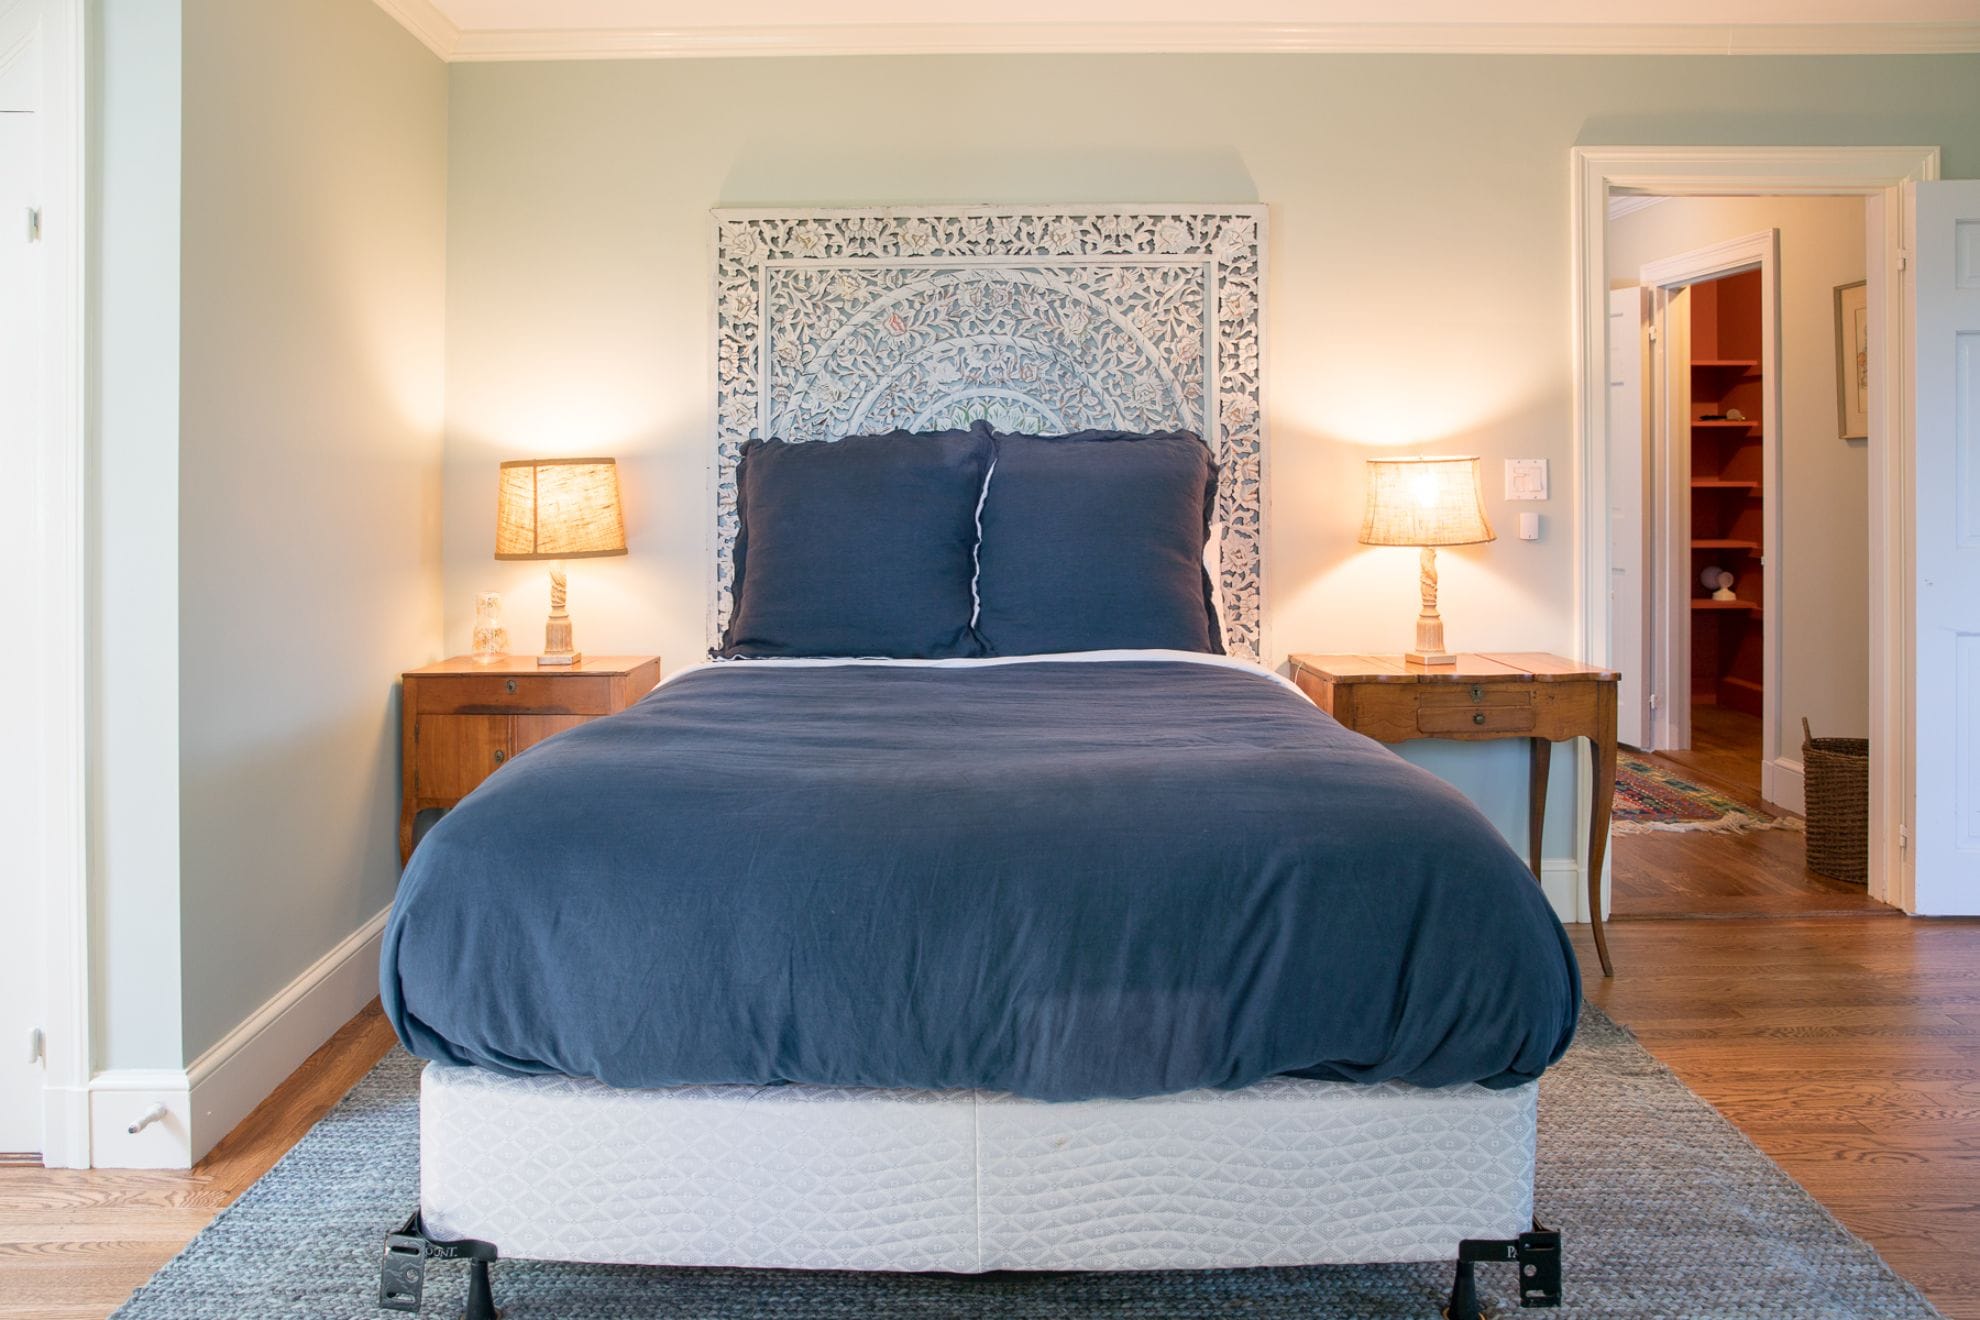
(1711, 544)
(1748, 364)
(1720, 483)
(1749, 422)
(1707, 603)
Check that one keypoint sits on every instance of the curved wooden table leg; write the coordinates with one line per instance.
(1540, 759)
(1603, 800)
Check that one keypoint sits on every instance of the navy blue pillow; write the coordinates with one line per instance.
(858, 547)
(1094, 541)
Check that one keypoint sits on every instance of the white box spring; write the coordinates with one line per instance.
(1284, 1172)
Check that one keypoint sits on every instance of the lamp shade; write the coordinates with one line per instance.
(559, 508)
(1424, 501)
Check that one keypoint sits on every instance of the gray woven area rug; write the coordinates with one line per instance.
(1667, 1210)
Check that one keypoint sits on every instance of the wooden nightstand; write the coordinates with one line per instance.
(1541, 698)
(462, 719)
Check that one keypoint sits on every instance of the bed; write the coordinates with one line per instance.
(983, 906)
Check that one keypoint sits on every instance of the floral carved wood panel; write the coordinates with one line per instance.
(835, 323)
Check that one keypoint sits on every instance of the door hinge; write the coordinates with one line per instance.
(37, 1045)
(1653, 701)
(1653, 334)
(1904, 259)
(1904, 838)
(34, 224)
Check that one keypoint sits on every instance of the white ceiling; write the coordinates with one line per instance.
(552, 29)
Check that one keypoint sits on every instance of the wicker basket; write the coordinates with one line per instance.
(1837, 790)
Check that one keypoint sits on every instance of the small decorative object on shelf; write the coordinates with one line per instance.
(1735, 415)
(1425, 502)
(491, 639)
(558, 509)
(1719, 583)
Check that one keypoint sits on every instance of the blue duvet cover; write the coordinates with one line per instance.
(1060, 878)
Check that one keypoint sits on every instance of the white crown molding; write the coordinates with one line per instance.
(424, 20)
(992, 38)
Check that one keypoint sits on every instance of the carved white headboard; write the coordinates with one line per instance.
(1040, 319)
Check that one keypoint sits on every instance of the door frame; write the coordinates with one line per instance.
(1870, 172)
(1670, 466)
(60, 613)
(1633, 320)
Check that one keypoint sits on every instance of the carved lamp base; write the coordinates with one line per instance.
(557, 628)
(1429, 624)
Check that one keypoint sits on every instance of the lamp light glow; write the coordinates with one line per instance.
(1426, 502)
(558, 509)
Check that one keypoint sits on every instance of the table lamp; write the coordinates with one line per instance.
(558, 509)
(1425, 502)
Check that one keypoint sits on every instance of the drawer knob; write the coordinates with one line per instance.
(1479, 718)
(501, 756)
(511, 686)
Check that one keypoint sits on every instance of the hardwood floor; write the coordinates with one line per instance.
(1702, 874)
(74, 1243)
(1725, 748)
(1757, 875)
(1847, 1048)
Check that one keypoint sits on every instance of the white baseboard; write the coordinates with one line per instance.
(221, 1087)
(1781, 783)
(65, 1127)
(1562, 881)
(121, 1097)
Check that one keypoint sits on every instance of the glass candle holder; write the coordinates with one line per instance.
(491, 639)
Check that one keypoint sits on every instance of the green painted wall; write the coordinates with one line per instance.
(1419, 278)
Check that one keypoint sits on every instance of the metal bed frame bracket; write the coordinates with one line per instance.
(1538, 1255)
(402, 1270)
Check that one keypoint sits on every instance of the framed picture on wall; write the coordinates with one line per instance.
(1852, 361)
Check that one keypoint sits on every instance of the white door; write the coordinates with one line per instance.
(1629, 598)
(1946, 356)
(21, 965)
(1669, 632)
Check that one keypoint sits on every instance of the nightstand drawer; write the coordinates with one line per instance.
(1449, 718)
(567, 694)
(1475, 694)
(456, 752)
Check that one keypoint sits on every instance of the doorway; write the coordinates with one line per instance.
(1755, 548)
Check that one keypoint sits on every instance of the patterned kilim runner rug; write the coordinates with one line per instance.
(1650, 799)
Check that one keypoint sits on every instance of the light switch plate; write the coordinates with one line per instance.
(1526, 478)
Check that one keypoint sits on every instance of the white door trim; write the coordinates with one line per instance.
(1877, 172)
(1671, 486)
(58, 629)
